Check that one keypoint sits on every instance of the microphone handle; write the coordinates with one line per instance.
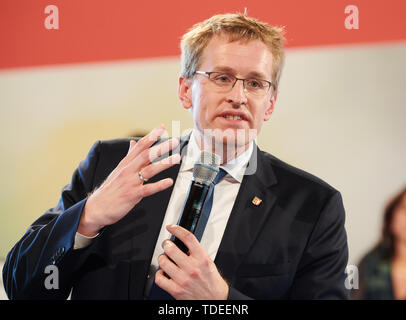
(192, 210)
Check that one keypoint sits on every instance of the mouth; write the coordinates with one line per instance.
(234, 116)
(230, 117)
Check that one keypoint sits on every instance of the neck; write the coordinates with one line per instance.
(227, 151)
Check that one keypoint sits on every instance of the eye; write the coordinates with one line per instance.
(255, 84)
(222, 78)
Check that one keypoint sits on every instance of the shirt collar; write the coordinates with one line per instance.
(234, 168)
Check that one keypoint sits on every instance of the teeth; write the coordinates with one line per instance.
(232, 117)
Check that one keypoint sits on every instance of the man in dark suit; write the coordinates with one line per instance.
(274, 232)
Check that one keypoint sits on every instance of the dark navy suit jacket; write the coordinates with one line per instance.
(292, 245)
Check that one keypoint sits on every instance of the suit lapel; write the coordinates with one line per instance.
(246, 218)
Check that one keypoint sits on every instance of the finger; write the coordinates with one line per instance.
(188, 239)
(176, 255)
(152, 188)
(149, 155)
(166, 284)
(124, 162)
(154, 168)
(147, 141)
(169, 267)
(144, 143)
(162, 148)
(131, 147)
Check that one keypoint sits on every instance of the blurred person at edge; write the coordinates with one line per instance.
(274, 233)
(382, 271)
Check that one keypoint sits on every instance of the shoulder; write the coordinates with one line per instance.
(374, 257)
(292, 179)
(117, 144)
(104, 156)
(111, 150)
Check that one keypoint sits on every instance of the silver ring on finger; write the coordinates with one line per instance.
(141, 177)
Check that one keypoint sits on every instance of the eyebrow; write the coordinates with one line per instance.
(252, 74)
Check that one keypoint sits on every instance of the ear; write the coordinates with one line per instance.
(185, 92)
(271, 106)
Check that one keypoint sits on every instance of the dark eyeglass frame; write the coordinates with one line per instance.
(209, 73)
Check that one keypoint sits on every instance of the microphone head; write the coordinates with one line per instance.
(207, 169)
(210, 159)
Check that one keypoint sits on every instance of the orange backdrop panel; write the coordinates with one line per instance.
(102, 30)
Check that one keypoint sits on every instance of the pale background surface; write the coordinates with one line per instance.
(340, 115)
(3, 295)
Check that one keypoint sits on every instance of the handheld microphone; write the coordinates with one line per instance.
(204, 172)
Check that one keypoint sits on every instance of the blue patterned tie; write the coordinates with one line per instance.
(207, 206)
(156, 292)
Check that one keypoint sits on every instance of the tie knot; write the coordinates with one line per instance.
(220, 175)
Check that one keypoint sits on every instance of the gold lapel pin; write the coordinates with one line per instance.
(256, 201)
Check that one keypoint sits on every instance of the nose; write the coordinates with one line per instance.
(237, 95)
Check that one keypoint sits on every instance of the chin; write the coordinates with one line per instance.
(230, 137)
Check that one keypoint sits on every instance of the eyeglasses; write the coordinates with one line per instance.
(225, 82)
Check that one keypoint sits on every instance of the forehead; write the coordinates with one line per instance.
(245, 57)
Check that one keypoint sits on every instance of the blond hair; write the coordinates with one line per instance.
(236, 27)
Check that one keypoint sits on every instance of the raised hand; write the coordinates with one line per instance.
(125, 187)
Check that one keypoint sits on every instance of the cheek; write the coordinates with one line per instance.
(206, 106)
(399, 223)
(200, 112)
(259, 117)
